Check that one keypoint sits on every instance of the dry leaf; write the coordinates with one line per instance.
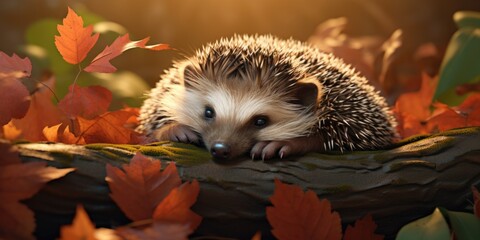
(14, 98)
(444, 118)
(363, 229)
(20, 181)
(41, 113)
(176, 206)
(86, 102)
(10, 132)
(110, 127)
(470, 108)
(61, 133)
(101, 63)
(81, 229)
(413, 109)
(300, 215)
(74, 41)
(141, 186)
(15, 65)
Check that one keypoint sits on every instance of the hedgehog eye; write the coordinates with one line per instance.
(260, 121)
(209, 113)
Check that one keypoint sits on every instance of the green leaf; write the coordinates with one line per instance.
(432, 227)
(460, 64)
(466, 19)
(466, 226)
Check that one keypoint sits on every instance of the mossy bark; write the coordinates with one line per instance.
(396, 185)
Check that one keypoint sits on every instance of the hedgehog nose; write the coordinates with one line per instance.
(220, 151)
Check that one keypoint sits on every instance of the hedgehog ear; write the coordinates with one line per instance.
(308, 92)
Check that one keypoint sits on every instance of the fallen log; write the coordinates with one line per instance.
(396, 185)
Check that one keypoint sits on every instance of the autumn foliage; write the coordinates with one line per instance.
(149, 192)
(157, 202)
(20, 181)
(296, 214)
(82, 116)
(417, 114)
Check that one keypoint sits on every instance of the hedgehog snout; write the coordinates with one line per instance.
(220, 151)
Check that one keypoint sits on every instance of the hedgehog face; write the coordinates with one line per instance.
(232, 119)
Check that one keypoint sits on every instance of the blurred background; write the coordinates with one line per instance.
(188, 24)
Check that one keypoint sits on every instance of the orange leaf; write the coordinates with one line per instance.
(10, 132)
(15, 65)
(158, 231)
(61, 133)
(14, 98)
(109, 127)
(133, 120)
(413, 109)
(418, 103)
(476, 201)
(101, 63)
(301, 215)
(445, 118)
(409, 125)
(74, 41)
(141, 186)
(81, 229)
(364, 229)
(41, 113)
(20, 181)
(87, 102)
(471, 109)
(176, 206)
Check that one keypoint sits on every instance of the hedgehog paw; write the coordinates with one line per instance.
(269, 149)
(176, 132)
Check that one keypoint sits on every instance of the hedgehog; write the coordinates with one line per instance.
(266, 97)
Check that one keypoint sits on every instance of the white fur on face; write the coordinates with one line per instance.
(237, 108)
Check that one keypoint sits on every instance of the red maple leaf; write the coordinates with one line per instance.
(81, 229)
(13, 91)
(301, 215)
(74, 41)
(176, 206)
(15, 65)
(15, 99)
(87, 102)
(20, 181)
(101, 63)
(363, 229)
(141, 186)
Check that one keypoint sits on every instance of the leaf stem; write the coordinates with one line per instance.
(71, 100)
(50, 89)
